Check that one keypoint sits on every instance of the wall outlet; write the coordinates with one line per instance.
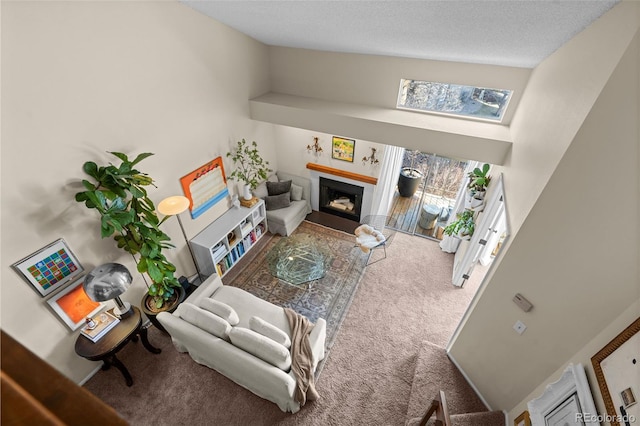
(519, 327)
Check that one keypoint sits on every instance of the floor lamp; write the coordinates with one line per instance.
(173, 206)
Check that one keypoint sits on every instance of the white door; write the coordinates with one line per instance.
(486, 224)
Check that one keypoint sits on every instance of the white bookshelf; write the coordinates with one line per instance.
(219, 246)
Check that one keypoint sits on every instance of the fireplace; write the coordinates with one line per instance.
(340, 198)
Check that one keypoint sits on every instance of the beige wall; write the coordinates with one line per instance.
(575, 249)
(81, 78)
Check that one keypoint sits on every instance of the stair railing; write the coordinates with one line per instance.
(439, 408)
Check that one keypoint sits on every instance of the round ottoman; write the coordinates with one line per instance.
(428, 216)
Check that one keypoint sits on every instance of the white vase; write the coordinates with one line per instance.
(246, 192)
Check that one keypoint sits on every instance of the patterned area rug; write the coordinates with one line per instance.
(329, 297)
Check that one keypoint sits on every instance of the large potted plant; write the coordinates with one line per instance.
(250, 168)
(128, 215)
(410, 178)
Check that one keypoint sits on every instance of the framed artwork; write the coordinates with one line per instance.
(72, 305)
(205, 186)
(617, 370)
(522, 420)
(568, 401)
(342, 149)
(50, 268)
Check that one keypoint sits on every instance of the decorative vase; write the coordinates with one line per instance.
(246, 192)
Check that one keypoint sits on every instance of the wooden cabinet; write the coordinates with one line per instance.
(219, 246)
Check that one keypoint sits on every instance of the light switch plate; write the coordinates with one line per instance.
(519, 327)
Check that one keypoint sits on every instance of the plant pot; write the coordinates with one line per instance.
(409, 181)
(151, 312)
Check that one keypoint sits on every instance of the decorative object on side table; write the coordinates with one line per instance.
(250, 167)
(109, 282)
(173, 206)
(105, 349)
(101, 326)
(128, 215)
(249, 203)
(50, 268)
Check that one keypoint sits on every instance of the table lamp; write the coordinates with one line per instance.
(108, 282)
(173, 206)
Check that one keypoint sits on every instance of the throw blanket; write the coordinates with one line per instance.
(368, 237)
(301, 357)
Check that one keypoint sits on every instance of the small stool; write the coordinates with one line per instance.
(428, 216)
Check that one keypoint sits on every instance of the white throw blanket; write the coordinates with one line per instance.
(301, 357)
(368, 237)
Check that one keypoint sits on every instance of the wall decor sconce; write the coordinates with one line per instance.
(371, 159)
(315, 148)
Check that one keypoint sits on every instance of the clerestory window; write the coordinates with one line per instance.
(453, 99)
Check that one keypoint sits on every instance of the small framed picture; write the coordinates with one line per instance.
(343, 149)
(522, 420)
(73, 306)
(50, 268)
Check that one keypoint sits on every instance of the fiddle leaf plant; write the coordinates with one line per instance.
(128, 215)
(250, 167)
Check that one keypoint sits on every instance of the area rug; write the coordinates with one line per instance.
(328, 297)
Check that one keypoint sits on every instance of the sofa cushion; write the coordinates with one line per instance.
(261, 190)
(276, 202)
(262, 347)
(260, 326)
(205, 320)
(296, 192)
(277, 188)
(220, 309)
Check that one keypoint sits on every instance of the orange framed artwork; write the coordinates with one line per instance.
(73, 306)
(205, 186)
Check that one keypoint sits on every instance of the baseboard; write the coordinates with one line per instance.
(93, 373)
(473, 386)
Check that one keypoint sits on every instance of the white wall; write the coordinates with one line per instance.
(575, 249)
(82, 78)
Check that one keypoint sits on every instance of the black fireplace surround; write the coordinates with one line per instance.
(337, 198)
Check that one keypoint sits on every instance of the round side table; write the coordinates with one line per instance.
(105, 349)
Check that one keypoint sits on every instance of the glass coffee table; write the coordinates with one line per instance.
(298, 259)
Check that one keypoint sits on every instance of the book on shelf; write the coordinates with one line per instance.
(104, 322)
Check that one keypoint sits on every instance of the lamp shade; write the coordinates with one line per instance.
(107, 282)
(173, 205)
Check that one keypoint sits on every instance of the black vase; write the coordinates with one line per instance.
(409, 181)
(152, 315)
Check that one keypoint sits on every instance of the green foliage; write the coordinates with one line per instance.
(464, 226)
(479, 180)
(128, 215)
(250, 167)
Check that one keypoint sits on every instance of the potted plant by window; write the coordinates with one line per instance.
(128, 215)
(410, 178)
(250, 168)
(463, 227)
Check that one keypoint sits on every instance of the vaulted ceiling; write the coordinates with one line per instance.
(513, 33)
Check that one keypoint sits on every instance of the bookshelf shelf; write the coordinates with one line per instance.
(219, 246)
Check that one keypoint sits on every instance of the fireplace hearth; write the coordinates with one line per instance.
(340, 199)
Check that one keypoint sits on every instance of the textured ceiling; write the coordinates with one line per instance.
(519, 33)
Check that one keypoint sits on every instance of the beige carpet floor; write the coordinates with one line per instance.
(400, 303)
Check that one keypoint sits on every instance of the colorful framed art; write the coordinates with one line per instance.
(73, 306)
(343, 149)
(205, 186)
(50, 268)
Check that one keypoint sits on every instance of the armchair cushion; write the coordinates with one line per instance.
(277, 188)
(220, 309)
(275, 202)
(260, 326)
(205, 320)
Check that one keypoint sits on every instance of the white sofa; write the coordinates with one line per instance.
(284, 221)
(245, 369)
